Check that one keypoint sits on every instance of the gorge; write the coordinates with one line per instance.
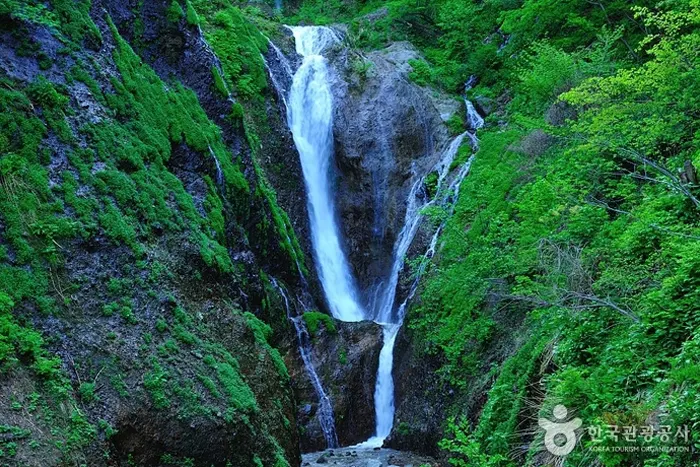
(357, 233)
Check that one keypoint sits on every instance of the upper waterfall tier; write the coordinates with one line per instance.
(311, 122)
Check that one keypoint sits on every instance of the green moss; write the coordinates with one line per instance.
(161, 325)
(240, 396)
(209, 383)
(127, 314)
(183, 335)
(262, 333)
(155, 382)
(117, 226)
(238, 44)
(87, 392)
(108, 430)
(74, 19)
(115, 185)
(174, 13)
(215, 211)
(30, 12)
(191, 14)
(110, 308)
(314, 320)
(219, 83)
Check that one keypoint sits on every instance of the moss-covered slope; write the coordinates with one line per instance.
(134, 230)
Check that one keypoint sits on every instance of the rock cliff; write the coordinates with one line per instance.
(137, 235)
(388, 132)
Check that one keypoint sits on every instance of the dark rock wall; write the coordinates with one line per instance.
(388, 132)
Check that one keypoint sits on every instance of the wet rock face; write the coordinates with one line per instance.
(346, 360)
(421, 399)
(386, 130)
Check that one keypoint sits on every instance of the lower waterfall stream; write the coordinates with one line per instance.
(325, 410)
(309, 108)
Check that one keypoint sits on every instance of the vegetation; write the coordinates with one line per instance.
(86, 165)
(314, 320)
(568, 274)
(572, 260)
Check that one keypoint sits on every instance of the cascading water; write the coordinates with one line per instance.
(219, 172)
(474, 120)
(325, 408)
(384, 390)
(310, 115)
(408, 232)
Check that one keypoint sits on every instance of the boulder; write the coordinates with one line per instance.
(346, 360)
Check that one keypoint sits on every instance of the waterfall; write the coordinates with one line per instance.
(474, 120)
(219, 172)
(412, 221)
(384, 391)
(310, 116)
(325, 408)
(287, 73)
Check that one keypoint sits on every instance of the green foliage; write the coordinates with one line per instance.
(421, 72)
(361, 67)
(219, 83)
(17, 341)
(238, 44)
(87, 392)
(161, 325)
(456, 124)
(263, 333)
(30, 12)
(575, 237)
(191, 14)
(240, 397)
(155, 383)
(174, 13)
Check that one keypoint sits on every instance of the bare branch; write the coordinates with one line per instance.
(606, 302)
(601, 203)
(673, 180)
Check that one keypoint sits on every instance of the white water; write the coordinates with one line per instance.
(310, 119)
(325, 408)
(286, 68)
(474, 120)
(310, 115)
(384, 392)
(384, 389)
(219, 172)
(384, 406)
(412, 221)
